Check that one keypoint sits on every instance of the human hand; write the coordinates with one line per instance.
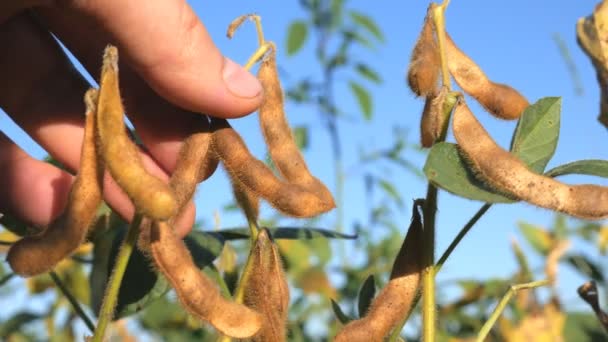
(170, 71)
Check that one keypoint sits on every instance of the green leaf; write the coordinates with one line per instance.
(296, 36)
(366, 295)
(336, 12)
(357, 37)
(16, 322)
(391, 191)
(287, 233)
(591, 167)
(537, 131)
(15, 225)
(540, 239)
(365, 71)
(300, 135)
(582, 327)
(340, 315)
(367, 23)
(446, 169)
(148, 286)
(585, 266)
(364, 99)
(141, 284)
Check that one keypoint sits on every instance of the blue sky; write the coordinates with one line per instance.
(512, 41)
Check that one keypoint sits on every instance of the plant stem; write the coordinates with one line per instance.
(73, 301)
(258, 54)
(428, 273)
(485, 330)
(430, 206)
(461, 234)
(439, 20)
(106, 313)
(6, 278)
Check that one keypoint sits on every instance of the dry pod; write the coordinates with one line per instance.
(266, 290)
(291, 199)
(197, 293)
(498, 99)
(248, 201)
(433, 118)
(281, 145)
(425, 65)
(194, 162)
(151, 196)
(40, 253)
(395, 300)
(504, 172)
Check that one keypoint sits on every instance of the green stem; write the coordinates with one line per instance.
(428, 273)
(430, 207)
(485, 330)
(6, 278)
(75, 305)
(467, 227)
(106, 312)
(439, 21)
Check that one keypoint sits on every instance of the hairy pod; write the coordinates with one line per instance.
(291, 199)
(498, 99)
(281, 145)
(425, 64)
(197, 293)
(248, 201)
(504, 172)
(150, 195)
(431, 123)
(266, 289)
(40, 253)
(395, 300)
(193, 164)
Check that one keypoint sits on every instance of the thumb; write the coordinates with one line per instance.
(167, 44)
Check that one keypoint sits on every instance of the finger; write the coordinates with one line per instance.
(48, 105)
(30, 189)
(177, 58)
(160, 125)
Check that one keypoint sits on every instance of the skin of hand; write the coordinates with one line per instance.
(170, 71)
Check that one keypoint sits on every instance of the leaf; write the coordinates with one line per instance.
(364, 99)
(591, 167)
(370, 74)
(141, 284)
(340, 315)
(16, 322)
(367, 23)
(585, 266)
(366, 295)
(582, 327)
(602, 240)
(286, 233)
(537, 131)
(16, 226)
(355, 36)
(336, 12)
(446, 169)
(300, 135)
(540, 239)
(391, 191)
(296, 36)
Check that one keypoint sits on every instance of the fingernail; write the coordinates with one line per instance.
(239, 81)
